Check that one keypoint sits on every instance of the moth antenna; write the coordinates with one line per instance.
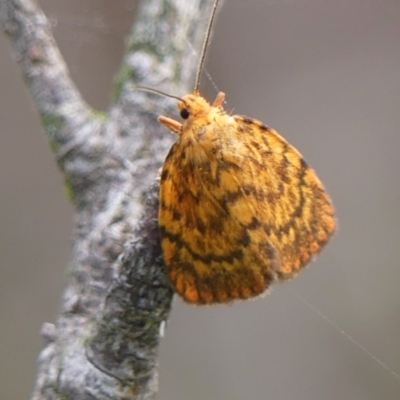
(147, 89)
(205, 45)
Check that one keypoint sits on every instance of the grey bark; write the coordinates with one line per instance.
(105, 340)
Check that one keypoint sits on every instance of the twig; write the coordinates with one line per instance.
(104, 343)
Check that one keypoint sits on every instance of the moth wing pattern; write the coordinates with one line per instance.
(294, 209)
(239, 208)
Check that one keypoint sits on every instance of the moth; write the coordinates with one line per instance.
(239, 205)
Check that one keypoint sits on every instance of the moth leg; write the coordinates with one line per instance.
(171, 124)
(219, 100)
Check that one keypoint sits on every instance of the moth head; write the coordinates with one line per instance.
(194, 105)
(191, 107)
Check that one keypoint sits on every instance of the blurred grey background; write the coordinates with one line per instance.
(325, 74)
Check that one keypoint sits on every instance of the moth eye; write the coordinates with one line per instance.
(185, 113)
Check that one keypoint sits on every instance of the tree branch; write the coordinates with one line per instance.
(43, 68)
(104, 344)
